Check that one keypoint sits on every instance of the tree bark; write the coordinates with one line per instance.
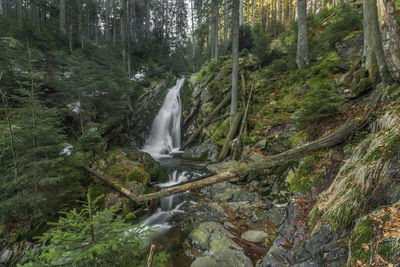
(111, 182)
(226, 17)
(248, 12)
(107, 26)
(390, 36)
(241, 12)
(63, 27)
(235, 59)
(253, 14)
(1, 8)
(371, 10)
(215, 35)
(229, 137)
(10, 130)
(19, 11)
(185, 187)
(206, 121)
(148, 18)
(302, 56)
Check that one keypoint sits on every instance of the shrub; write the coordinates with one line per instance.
(350, 20)
(319, 103)
(245, 37)
(94, 238)
(261, 44)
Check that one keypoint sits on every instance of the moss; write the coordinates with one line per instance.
(186, 95)
(219, 134)
(159, 174)
(364, 234)
(139, 175)
(386, 247)
(307, 175)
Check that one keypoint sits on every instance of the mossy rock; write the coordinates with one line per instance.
(139, 175)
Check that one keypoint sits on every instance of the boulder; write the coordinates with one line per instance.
(255, 236)
(213, 237)
(224, 258)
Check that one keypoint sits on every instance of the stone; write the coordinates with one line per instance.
(205, 151)
(5, 255)
(261, 144)
(255, 236)
(136, 188)
(224, 258)
(213, 237)
(255, 157)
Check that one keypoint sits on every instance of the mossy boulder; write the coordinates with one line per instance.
(139, 175)
(213, 237)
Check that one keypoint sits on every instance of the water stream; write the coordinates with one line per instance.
(163, 144)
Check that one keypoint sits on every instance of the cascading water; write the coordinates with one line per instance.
(164, 141)
(165, 134)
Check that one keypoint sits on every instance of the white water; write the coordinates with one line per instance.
(164, 141)
(165, 134)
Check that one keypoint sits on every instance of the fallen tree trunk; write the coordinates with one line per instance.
(230, 135)
(114, 184)
(189, 186)
(335, 138)
(206, 121)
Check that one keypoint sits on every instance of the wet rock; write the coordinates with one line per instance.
(224, 258)
(213, 237)
(205, 151)
(255, 236)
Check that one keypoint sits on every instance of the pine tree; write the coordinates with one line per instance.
(94, 238)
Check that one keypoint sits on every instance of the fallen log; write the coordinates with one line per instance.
(206, 121)
(339, 136)
(231, 134)
(189, 186)
(114, 184)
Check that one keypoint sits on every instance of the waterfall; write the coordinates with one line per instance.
(165, 134)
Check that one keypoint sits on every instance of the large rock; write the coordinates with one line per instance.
(213, 237)
(205, 151)
(224, 258)
(255, 236)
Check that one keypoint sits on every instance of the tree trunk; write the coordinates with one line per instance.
(253, 14)
(302, 56)
(80, 20)
(63, 27)
(1, 8)
(107, 26)
(128, 36)
(390, 37)
(215, 37)
(279, 12)
(189, 186)
(248, 12)
(371, 10)
(235, 59)
(148, 18)
(226, 17)
(19, 11)
(10, 130)
(229, 137)
(241, 13)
